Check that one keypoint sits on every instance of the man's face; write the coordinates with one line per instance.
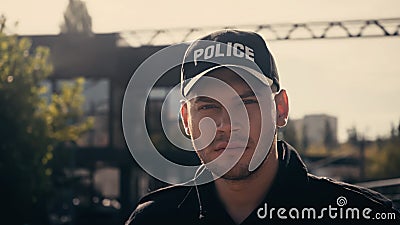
(243, 132)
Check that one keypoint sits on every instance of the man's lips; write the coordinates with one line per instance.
(230, 145)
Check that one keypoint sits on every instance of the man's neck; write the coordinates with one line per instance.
(241, 197)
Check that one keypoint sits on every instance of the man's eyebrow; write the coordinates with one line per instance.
(247, 94)
(203, 99)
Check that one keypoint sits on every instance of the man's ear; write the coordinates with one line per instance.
(184, 116)
(282, 108)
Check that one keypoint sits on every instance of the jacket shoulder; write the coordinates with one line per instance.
(162, 203)
(356, 194)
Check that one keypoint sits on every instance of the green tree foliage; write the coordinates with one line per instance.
(352, 136)
(31, 126)
(384, 161)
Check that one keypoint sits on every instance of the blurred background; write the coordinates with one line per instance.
(64, 67)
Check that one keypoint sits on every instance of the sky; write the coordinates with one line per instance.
(356, 80)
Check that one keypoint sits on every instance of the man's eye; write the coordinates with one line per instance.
(250, 101)
(208, 106)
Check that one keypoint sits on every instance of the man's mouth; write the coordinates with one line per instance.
(221, 146)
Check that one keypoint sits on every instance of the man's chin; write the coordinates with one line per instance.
(238, 172)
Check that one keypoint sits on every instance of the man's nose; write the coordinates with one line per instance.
(225, 123)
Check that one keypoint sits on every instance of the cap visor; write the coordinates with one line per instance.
(260, 76)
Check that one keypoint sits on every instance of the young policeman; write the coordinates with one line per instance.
(231, 85)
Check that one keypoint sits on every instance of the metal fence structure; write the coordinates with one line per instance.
(273, 32)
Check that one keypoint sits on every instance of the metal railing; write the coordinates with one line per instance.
(389, 187)
(272, 32)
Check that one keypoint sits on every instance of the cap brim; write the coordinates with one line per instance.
(260, 76)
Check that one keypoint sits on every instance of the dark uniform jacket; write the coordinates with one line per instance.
(295, 197)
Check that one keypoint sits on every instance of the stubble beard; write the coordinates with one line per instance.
(240, 171)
